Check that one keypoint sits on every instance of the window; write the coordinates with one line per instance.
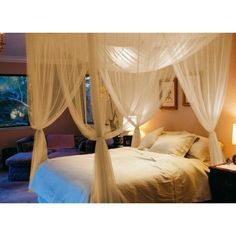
(112, 117)
(13, 101)
(88, 101)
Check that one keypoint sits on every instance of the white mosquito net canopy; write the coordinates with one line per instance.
(133, 72)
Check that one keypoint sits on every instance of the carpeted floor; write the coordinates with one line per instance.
(14, 192)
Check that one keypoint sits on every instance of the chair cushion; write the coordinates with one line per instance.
(20, 159)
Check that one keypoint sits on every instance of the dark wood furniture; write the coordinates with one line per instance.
(222, 184)
(127, 140)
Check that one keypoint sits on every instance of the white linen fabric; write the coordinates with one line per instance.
(141, 176)
(204, 77)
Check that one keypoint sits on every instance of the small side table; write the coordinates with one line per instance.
(222, 180)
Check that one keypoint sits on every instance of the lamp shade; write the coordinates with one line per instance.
(234, 135)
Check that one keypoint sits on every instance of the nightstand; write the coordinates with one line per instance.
(222, 180)
(127, 140)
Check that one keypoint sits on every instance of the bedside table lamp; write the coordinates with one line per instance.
(128, 130)
(234, 141)
(127, 126)
(234, 135)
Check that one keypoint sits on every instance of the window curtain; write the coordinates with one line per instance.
(204, 77)
(45, 96)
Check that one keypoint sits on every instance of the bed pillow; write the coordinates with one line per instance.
(200, 150)
(177, 132)
(177, 144)
(149, 139)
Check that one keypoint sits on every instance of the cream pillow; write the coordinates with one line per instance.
(176, 132)
(177, 144)
(149, 139)
(200, 150)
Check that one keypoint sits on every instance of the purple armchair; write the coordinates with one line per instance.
(58, 145)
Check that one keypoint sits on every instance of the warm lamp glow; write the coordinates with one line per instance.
(126, 124)
(234, 135)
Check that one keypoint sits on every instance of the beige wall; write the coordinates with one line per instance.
(181, 119)
(184, 118)
(64, 124)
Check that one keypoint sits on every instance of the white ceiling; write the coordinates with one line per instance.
(14, 48)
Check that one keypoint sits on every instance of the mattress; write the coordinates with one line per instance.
(141, 176)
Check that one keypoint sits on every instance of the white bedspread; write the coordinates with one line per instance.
(142, 176)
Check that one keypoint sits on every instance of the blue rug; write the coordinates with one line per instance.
(14, 192)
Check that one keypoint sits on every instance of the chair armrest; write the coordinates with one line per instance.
(82, 146)
(90, 146)
(87, 146)
(25, 144)
(79, 139)
(6, 153)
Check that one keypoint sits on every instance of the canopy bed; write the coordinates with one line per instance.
(142, 174)
(133, 72)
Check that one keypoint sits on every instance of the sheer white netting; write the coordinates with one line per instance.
(137, 70)
(45, 97)
(204, 77)
(72, 72)
(138, 95)
(146, 52)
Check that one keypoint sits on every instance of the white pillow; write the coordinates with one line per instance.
(149, 139)
(176, 132)
(200, 150)
(177, 144)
